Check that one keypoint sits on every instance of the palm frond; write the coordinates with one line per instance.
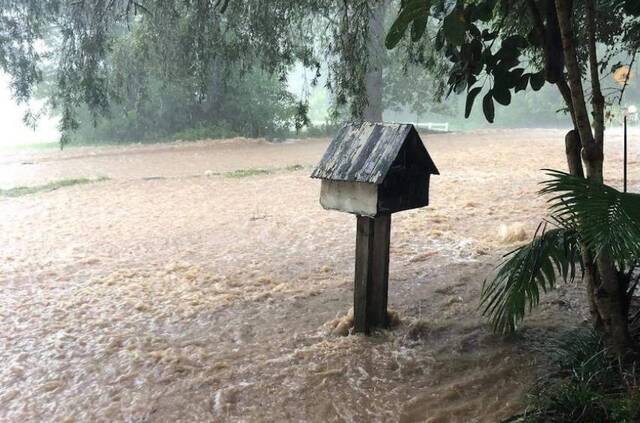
(525, 272)
(607, 219)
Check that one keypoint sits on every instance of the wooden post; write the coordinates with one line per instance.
(625, 152)
(372, 273)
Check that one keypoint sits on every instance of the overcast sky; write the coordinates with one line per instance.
(12, 129)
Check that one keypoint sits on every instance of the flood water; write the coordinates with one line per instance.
(178, 291)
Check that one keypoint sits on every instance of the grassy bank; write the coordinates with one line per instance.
(51, 186)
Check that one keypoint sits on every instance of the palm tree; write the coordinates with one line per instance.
(586, 217)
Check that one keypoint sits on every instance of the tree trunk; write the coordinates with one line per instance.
(604, 289)
(572, 150)
(597, 99)
(377, 56)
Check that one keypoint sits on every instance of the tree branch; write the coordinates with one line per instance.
(597, 100)
(541, 32)
(628, 75)
(591, 150)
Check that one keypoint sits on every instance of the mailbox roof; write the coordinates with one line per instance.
(364, 152)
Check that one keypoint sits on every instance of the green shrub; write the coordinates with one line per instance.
(587, 386)
(243, 173)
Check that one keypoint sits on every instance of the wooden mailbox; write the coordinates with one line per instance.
(373, 170)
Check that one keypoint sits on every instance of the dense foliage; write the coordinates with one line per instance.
(150, 99)
(195, 42)
(584, 215)
(584, 385)
(495, 48)
(114, 68)
(498, 48)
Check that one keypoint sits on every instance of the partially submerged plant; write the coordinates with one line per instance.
(586, 385)
(587, 218)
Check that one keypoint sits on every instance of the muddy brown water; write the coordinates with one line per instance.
(175, 291)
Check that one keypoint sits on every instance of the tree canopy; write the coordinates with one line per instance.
(499, 48)
(502, 47)
(78, 45)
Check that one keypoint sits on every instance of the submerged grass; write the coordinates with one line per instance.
(51, 186)
(19, 148)
(588, 385)
(244, 173)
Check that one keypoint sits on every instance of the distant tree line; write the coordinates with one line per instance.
(150, 69)
(150, 100)
(146, 70)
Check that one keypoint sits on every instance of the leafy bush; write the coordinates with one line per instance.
(585, 214)
(151, 98)
(587, 385)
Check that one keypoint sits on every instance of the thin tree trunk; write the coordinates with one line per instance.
(592, 281)
(554, 72)
(597, 100)
(605, 293)
(572, 139)
(572, 150)
(591, 152)
(611, 293)
(377, 55)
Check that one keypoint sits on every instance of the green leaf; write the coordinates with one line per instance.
(500, 77)
(411, 11)
(488, 58)
(488, 35)
(460, 86)
(484, 10)
(508, 53)
(514, 76)
(632, 7)
(515, 41)
(474, 31)
(471, 97)
(607, 219)
(418, 28)
(521, 85)
(454, 26)
(487, 106)
(537, 80)
(526, 271)
(476, 49)
(502, 96)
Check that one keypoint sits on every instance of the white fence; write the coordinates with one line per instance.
(433, 126)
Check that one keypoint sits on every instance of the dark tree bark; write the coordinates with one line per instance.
(550, 37)
(573, 145)
(591, 152)
(606, 296)
(597, 99)
(572, 150)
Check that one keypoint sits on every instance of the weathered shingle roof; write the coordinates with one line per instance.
(364, 152)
